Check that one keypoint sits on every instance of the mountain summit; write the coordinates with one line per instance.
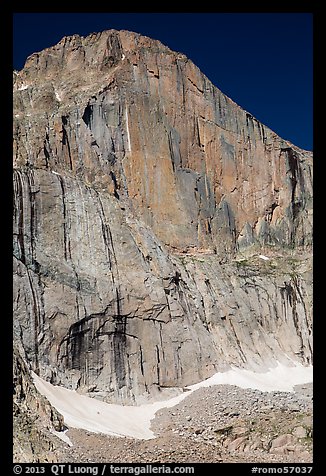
(161, 232)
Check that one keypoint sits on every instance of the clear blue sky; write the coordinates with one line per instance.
(263, 61)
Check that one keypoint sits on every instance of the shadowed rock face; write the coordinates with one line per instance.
(139, 188)
(34, 418)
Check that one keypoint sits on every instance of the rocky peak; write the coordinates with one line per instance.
(148, 125)
(143, 199)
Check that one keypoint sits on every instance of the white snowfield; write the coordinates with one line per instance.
(96, 416)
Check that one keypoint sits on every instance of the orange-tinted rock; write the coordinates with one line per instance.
(136, 182)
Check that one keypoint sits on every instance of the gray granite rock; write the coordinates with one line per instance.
(144, 199)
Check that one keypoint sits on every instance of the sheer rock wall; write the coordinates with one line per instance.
(143, 197)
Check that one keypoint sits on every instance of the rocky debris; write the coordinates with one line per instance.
(215, 424)
(244, 420)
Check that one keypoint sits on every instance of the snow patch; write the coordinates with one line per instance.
(23, 87)
(62, 435)
(94, 415)
(280, 378)
(127, 127)
(55, 173)
(58, 98)
(264, 257)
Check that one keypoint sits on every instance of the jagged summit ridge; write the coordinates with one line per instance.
(137, 183)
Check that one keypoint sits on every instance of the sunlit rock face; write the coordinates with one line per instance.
(144, 199)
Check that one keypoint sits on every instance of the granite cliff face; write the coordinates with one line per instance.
(34, 418)
(145, 205)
